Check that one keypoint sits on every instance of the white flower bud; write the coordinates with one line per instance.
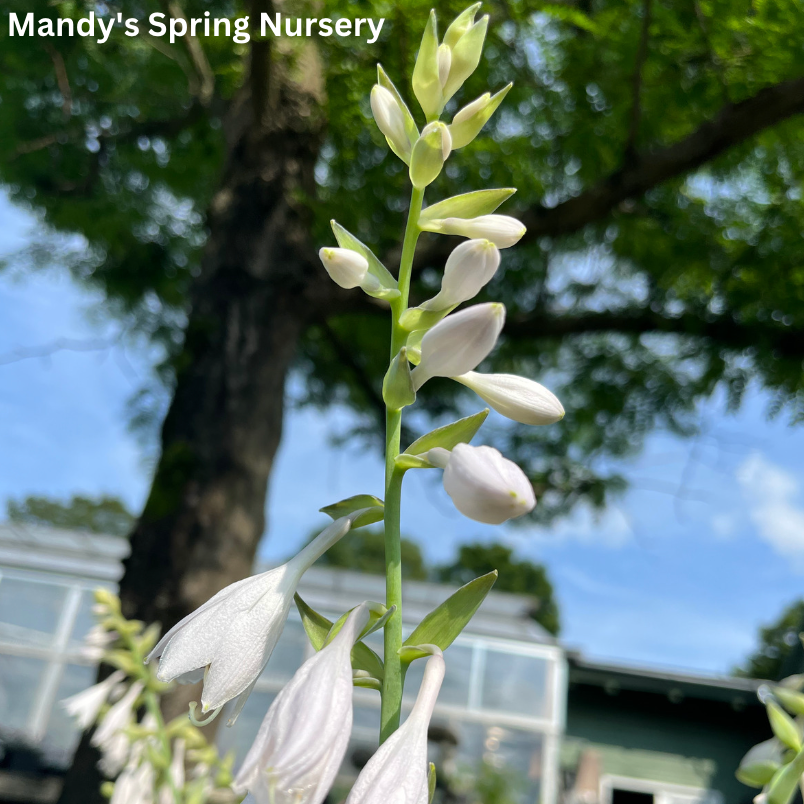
(518, 398)
(487, 487)
(425, 80)
(346, 268)
(466, 54)
(444, 61)
(502, 230)
(110, 737)
(391, 121)
(398, 770)
(470, 267)
(429, 153)
(302, 740)
(459, 342)
(230, 638)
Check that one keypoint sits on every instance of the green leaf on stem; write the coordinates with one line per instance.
(784, 783)
(376, 268)
(448, 436)
(468, 205)
(318, 627)
(431, 782)
(445, 622)
(791, 700)
(415, 318)
(351, 504)
(784, 727)
(405, 462)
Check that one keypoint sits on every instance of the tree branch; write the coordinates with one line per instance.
(733, 124)
(260, 68)
(787, 342)
(204, 74)
(636, 83)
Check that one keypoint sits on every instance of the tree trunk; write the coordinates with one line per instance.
(204, 515)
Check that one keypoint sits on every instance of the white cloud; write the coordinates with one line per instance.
(771, 493)
(724, 525)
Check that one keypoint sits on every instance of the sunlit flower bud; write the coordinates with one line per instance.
(302, 740)
(502, 230)
(110, 736)
(460, 25)
(459, 342)
(85, 705)
(429, 154)
(390, 120)
(426, 81)
(444, 62)
(229, 639)
(487, 487)
(468, 121)
(466, 54)
(346, 268)
(469, 269)
(518, 398)
(398, 770)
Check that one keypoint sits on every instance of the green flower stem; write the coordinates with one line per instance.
(392, 683)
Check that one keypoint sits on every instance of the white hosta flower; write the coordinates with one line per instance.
(502, 230)
(110, 737)
(348, 269)
(470, 267)
(397, 772)
(85, 705)
(135, 784)
(231, 637)
(484, 485)
(390, 120)
(302, 741)
(459, 342)
(518, 398)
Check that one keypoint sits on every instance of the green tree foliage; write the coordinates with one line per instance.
(364, 551)
(107, 515)
(777, 644)
(522, 577)
(655, 144)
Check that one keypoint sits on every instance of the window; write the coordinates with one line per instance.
(20, 678)
(631, 797)
(516, 683)
(29, 611)
(624, 790)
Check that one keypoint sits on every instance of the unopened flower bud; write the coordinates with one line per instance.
(466, 54)
(468, 121)
(444, 61)
(429, 154)
(397, 387)
(391, 121)
(346, 268)
(469, 268)
(459, 343)
(426, 81)
(502, 230)
(460, 25)
(518, 398)
(485, 486)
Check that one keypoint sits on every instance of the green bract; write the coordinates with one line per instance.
(468, 205)
(446, 437)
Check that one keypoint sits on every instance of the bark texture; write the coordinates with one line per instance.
(204, 516)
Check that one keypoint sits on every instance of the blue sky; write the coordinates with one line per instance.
(706, 546)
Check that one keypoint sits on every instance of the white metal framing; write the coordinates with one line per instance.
(58, 653)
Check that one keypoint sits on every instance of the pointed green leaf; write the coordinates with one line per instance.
(368, 683)
(468, 205)
(416, 318)
(760, 764)
(376, 268)
(397, 386)
(791, 700)
(318, 627)
(406, 462)
(445, 622)
(431, 782)
(350, 504)
(785, 781)
(784, 727)
(448, 436)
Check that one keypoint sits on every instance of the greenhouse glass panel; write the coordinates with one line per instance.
(516, 683)
(29, 611)
(19, 683)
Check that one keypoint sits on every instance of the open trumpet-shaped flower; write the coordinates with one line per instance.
(459, 343)
(398, 770)
(515, 397)
(303, 738)
(231, 637)
(86, 705)
(483, 484)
